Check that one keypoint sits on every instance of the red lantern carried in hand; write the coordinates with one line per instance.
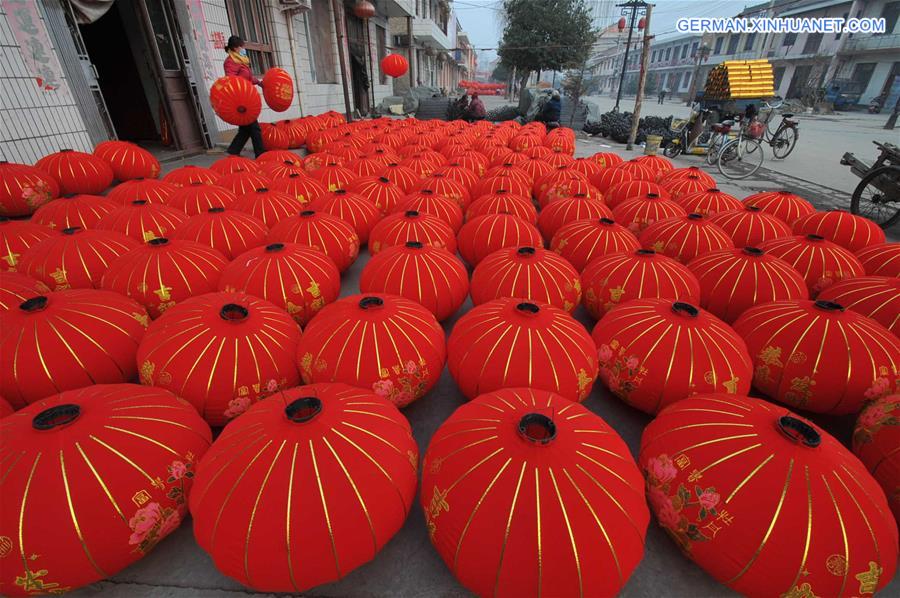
(235, 100)
(254, 342)
(77, 172)
(268, 206)
(278, 89)
(149, 190)
(617, 278)
(749, 226)
(638, 213)
(709, 202)
(766, 502)
(685, 237)
(75, 259)
(509, 343)
(142, 221)
(190, 174)
(428, 202)
(522, 526)
(107, 440)
(402, 342)
(324, 232)
(531, 273)
(84, 211)
(583, 240)
(502, 202)
(781, 204)
(401, 227)
(379, 190)
(839, 226)
(432, 277)
(229, 231)
(299, 279)
(16, 236)
(876, 297)
(875, 441)
(394, 65)
(633, 188)
(304, 189)
(197, 198)
(60, 341)
(24, 189)
(16, 287)
(484, 235)
(821, 262)
(351, 508)
(882, 259)
(127, 160)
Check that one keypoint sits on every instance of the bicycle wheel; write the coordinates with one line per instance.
(740, 158)
(783, 143)
(673, 149)
(877, 197)
(712, 153)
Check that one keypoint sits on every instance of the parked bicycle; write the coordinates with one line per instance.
(784, 138)
(718, 138)
(743, 155)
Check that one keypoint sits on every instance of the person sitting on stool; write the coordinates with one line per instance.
(551, 110)
(237, 64)
(476, 109)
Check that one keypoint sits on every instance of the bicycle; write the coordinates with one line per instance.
(719, 136)
(681, 143)
(742, 156)
(784, 138)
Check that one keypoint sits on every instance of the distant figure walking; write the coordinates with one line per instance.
(662, 95)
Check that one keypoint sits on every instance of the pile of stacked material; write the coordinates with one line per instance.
(740, 79)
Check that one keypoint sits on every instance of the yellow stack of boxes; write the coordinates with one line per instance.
(740, 79)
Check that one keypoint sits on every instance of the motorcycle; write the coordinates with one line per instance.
(876, 104)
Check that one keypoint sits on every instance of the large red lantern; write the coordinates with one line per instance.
(608, 178)
(232, 164)
(531, 273)
(639, 212)
(571, 185)
(506, 183)
(781, 204)
(16, 287)
(16, 236)
(709, 202)
(876, 297)
(509, 343)
(254, 342)
(502, 202)
(559, 213)
(197, 198)
(163, 272)
(875, 441)
(190, 174)
(520, 525)
(280, 156)
(304, 189)
(74, 210)
(474, 161)
(400, 227)
(354, 209)
(61, 341)
(229, 231)
(329, 234)
(798, 515)
(733, 280)
(127, 160)
(633, 188)
(445, 186)
(24, 189)
(638, 170)
(268, 206)
(658, 164)
(76, 259)
(839, 226)
(366, 166)
(379, 190)
(819, 356)
(149, 190)
(274, 137)
(432, 277)
(606, 159)
(686, 185)
(394, 65)
(685, 237)
(330, 501)
(882, 259)
(428, 202)
(821, 262)
(77, 172)
(278, 89)
(115, 483)
(484, 235)
(235, 100)
(749, 226)
(586, 166)
(689, 172)
(142, 221)
(617, 278)
(299, 279)
(581, 241)
(334, 177)
(455, 172)
(402, 342)
(280, 170)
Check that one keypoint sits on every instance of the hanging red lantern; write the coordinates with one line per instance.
(685, 237)
(503, 202)
(749, 226)
(128, 160)
(568, 209)
(875, 441)
(510, 343)
(484, 235)
(354, 209)
(280, 156)
(190, 174)
(441, 184)
(62, 341)
(637, 213)
(686, 185)
(197, 198)
(324, 232)
(16, 236)
(304, 189)
(279, 170)
(581, 241)
(24, 189)
(235, 100)
(254, 357)
(781, 204)
(632, 188)
(621, 24)
(725, 475)
(299, 279)
(150, 190)
(107, 440)
(394, 65)
(76, 259)
(427, 202)
(77, 172)
(432, 277)
(380, 191)
(163, 272)
(278, 89)
(658, 164)
(226, 230)
(400, 227)
(709, 202)
(881, 259)
(268, 206)
(734, 280)
(529, 273)
(608, 178)
(821, 262)
(876, 297)
(74, 210)
(232, 164)
(839, 226)
(16, 287)
(142, 221)
(655, 352)
(405, 350)
(526, 528)
(316, 432)
(638, 171)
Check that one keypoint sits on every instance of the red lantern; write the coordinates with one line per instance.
(295, 130)
(352, 507)
(502, 202)
(606, 159)
(838, 226)
(268, 206)
(876, 297)
(229, 231)
(190, 174)
(254, 342)
(149, 190)
(655, 352)
(231, 164)
(821, 262)
(709, 202)
(658, 164)
(355, 209)
(519, 526)
(689, 172)
(16, 236)
(641, 22)
(279, 170)
(528, 273)
(304, 189)
(432, 277)
(400, 227)
(127, 160)
(299, 279)
(423, 166)
(441, 184)
(197, 198)
(378, 190)
(24, 189)
(608, 178)
(76, 259)
(508, 184)
(280, 156)
(74, 210)
(142, 221)
(329, 234)
(16, 287)
(334, 177)
(402, 341)
(632, 188)
(474, 161)
(394, 65)
(766, 502)
(427, 202)
(559, 213)
(77, 172)
(164, 272)
(638, 171)
(875, 441)
(523, 141)
(882, 259)
(319, 160)
(621, 24)
(235, 100)
(685, 237)
(365, 167)
(733, 280)
(686, 185)
(107, 440)
(749, 226)
(780, 204)
(61, 341)
(509, 343)
(570, 186)
(278, 89)
(462, 175)
(587, 167)
(484, 235)
(274, 138)
(5, 408)
(581, 241)
(638, 213)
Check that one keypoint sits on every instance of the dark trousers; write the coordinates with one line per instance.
(252, 132)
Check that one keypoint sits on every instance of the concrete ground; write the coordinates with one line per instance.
(409, 567)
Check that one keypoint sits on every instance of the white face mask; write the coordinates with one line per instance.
(242, 51)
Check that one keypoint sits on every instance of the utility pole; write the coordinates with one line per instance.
(642, 80)
(339, 29)
(702, 54)
(634, 6)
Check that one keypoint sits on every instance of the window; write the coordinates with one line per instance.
(789, 39)
(381, 42)
(811, 46)
(718, 48)
(733, 44)
(838, 34)
(668, 53)
(748, 45)
(694, 47)
(890, 14)
(250, 20)
(778, 74)
(320, 43)
(862, 72)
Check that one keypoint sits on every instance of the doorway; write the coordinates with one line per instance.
(359, 71)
